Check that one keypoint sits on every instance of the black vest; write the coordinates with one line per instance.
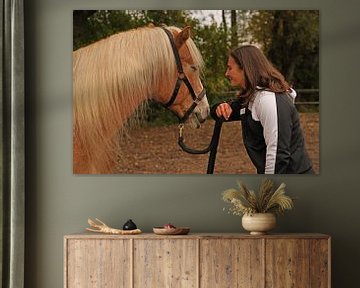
(291, 155)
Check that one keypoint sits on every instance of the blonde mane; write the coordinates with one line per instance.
(112, 78)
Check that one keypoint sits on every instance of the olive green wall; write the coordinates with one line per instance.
(58, 203)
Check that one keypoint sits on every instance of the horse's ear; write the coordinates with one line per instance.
(183, 35)
(151, 25)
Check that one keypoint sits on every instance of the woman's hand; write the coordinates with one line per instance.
(224, 110)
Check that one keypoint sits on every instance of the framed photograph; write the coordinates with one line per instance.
(196, 92)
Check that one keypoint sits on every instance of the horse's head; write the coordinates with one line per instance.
(185, 95)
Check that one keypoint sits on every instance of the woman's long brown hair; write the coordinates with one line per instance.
(258, 71)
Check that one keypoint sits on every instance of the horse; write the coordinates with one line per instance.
(114, 77)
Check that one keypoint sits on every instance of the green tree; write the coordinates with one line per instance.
(214, 47)
(234, 29)
(91, 26)
(290, 38)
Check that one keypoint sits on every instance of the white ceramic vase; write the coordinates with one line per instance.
(259, 223)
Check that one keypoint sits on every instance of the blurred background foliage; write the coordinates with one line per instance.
(289, 38)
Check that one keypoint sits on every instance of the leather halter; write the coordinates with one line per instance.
(212, 148)
(182, 78)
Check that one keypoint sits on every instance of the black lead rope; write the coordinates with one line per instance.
(212, 148)
(215, 139)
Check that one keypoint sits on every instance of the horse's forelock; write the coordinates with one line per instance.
(194, 51)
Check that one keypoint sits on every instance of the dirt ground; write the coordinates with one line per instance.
(154, 150)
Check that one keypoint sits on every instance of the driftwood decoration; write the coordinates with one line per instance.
(101, 227)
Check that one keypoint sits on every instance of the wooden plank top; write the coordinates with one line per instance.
(89, 235)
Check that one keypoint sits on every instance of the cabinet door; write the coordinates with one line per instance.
(297, 263)
(165, 263)
(320, 263)
(287, 263)
(98, 263)
(231, 263)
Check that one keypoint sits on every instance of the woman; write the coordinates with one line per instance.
(270, 123)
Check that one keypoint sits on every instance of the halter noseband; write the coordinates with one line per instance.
(182, 78)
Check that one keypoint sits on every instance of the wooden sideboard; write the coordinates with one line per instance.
(197, 260)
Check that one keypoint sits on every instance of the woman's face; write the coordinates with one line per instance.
(235, 74)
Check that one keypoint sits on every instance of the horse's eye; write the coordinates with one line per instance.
(193, 67)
